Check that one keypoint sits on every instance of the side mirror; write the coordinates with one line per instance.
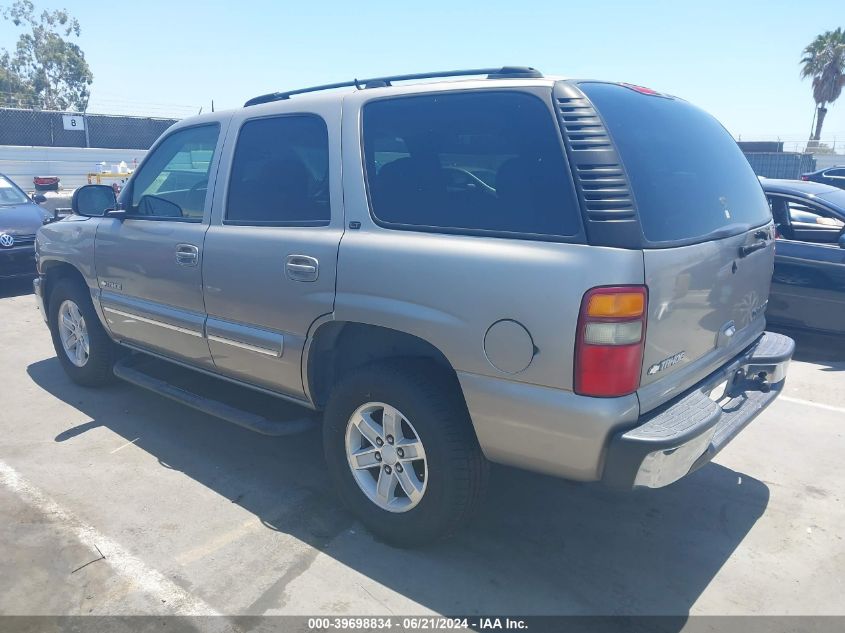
(39, 198)
(93, 200)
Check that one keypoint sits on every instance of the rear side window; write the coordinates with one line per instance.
(688, 176)
(471, 162)
(280, 173)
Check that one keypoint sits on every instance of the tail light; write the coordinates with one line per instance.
(611, 335)
(805, 178)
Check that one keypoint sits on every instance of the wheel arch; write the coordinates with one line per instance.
(53, 270)
(336, 347)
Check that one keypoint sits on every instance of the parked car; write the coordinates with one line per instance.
(808, 286)
(47, 183)
(20, 218)
(833, 176)
(586, 299)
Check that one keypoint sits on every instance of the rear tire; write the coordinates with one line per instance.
(446, 485)
(83, 347)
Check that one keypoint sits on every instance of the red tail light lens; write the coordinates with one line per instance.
(609, 347)
(805, 178)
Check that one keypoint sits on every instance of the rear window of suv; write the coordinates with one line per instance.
(689, 177)
(474, 162)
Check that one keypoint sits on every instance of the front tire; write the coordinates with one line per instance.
(83, 347)
(401, 451)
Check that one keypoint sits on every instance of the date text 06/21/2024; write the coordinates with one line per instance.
(433, 623)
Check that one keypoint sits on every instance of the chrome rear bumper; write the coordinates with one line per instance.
(687, 432)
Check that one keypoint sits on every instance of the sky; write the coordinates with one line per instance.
(736, 59)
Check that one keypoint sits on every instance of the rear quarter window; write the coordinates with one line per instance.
(474, 162)
(688, 176)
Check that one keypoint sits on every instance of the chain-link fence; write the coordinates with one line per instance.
(23, 128)
(43, 128)
(790, 158)
(789, 165)
(69, 146)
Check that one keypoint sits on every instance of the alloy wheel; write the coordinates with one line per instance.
(386, 456)
(73, 333)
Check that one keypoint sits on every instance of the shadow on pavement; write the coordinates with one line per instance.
(16, 287)
(827, 350)
(539, 546)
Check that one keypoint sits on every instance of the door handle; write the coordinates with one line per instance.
(187, 254)
(302, 268)
(745, 251)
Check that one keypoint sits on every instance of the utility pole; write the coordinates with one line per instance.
(85, 126)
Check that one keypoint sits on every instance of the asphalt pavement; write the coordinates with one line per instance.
(117, 501)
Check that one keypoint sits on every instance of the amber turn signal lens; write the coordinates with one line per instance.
(620, 305)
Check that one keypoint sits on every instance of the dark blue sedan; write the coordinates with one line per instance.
(20, 219)
(833, 176)
(808, 286)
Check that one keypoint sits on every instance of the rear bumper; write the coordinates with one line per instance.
(542, 429)
(687, 432)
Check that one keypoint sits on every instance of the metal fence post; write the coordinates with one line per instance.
(85, 126)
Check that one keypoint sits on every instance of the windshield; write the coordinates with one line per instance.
(9, 194)
(836, 199)
(689, 178)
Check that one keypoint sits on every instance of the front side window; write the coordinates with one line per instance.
(280, 173)
(173, 181)
(801, 213)
(479, 161)
(804, 221)
(812, 223)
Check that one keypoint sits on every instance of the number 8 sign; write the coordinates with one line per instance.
(71, 122)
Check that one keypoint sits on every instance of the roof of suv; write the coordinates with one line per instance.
(505, 72)
(505, 77)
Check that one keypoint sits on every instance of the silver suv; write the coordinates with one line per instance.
(565, 276)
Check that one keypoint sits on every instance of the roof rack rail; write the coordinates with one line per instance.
(505, 72)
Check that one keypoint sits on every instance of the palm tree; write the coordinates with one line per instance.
(824, 61)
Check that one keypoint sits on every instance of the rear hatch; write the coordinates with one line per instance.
(707, 234)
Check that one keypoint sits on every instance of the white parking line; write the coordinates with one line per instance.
(148, 580)
(125, 445)
(809, 403)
